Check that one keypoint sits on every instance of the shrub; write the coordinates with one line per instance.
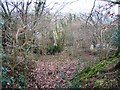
(58, 42)
(116, 36)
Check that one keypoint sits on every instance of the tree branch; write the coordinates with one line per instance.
(91, 12)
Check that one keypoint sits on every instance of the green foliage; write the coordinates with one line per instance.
(116, 36)
(89, 72)
(16, 63)
(21, 79)
(1, 23)
(6, 78)
(58, 42)
(14, 70)
(53, 49)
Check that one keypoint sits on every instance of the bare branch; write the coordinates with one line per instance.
(3, 7)
(91, 12)
(7, 6)
(115, 2)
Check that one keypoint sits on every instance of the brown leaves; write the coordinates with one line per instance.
(52, 73)
(57, 70)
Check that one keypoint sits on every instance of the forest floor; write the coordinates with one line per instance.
(54, 71)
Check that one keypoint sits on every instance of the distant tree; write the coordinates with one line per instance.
(117, 54)
(117, 34)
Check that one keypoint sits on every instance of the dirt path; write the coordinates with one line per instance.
(55, 71)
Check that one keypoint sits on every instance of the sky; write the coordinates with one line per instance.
(70, 6)
(77, 6)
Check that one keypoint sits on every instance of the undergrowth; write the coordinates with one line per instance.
(89, 72)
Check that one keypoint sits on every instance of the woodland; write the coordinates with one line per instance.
(42, 49)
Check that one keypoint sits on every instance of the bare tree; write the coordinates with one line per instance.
(111, 4)
(16, 35)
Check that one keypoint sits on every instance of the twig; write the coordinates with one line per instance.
(91, 12)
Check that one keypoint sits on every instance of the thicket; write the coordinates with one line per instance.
(41, 38)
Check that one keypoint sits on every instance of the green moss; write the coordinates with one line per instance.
(89, 72)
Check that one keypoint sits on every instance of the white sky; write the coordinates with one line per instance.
(76, 7)
(80, 5)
